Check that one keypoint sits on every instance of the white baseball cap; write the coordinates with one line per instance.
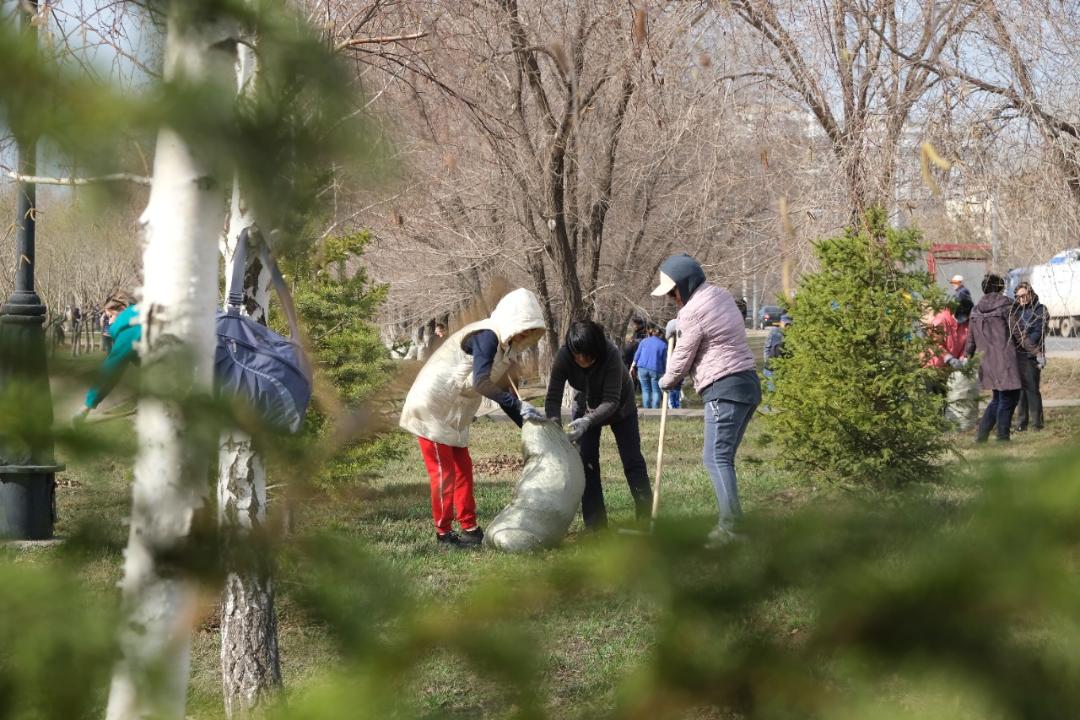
(666, 285)
(956, 279)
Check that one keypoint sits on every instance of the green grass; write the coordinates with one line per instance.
(590, 643)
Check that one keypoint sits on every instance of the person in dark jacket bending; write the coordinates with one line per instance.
(999, 370)
(603, 395)
(1028, 322)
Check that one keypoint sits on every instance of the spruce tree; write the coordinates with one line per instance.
(337, 303)
(850, 399)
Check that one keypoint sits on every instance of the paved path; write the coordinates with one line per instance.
(698, 412)
(1066, 348)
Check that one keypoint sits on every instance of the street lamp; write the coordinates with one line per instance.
(27, 465)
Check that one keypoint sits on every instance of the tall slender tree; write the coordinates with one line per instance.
(185, 209)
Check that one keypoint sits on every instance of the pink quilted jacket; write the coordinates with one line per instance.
(711, 342)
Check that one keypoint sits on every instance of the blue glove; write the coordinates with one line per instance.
(529, 412)
(578, 428)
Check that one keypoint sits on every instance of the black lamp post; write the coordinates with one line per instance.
(27, 465)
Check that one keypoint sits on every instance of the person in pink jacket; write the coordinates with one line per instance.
(712, 349)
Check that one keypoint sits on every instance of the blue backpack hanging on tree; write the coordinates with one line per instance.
(254, 363)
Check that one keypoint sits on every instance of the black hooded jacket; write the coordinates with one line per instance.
(1028, 325)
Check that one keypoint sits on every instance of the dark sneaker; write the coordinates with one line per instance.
(448, 540)
(472, 538)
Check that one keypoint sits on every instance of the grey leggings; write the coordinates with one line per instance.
(725, 425)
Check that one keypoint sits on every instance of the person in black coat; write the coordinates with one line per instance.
(603, 395)
(961, 298)
(1028, 322)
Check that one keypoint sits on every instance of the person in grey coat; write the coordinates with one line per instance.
(999, 370)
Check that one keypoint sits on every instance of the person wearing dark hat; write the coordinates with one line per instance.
(713, 350)
(999, 370)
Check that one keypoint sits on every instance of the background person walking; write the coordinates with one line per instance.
(774, 343)
(650, 360)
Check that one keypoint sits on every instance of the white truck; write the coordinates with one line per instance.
(1057, 284)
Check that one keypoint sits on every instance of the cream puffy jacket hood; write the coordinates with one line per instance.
(442, 403)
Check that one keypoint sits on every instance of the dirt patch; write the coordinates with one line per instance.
(1060, 379)
(498, 465)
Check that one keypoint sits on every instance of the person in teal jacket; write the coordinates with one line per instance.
(125, 330)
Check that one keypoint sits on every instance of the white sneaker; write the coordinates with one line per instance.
(721, 536)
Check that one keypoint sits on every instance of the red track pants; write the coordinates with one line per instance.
(450, 470)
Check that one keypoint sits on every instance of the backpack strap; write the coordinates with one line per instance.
(236, 287)
(282, 291)
(239, 261)
(287, 304)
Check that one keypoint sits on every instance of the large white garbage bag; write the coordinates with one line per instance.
(548, 495)
(962, 400)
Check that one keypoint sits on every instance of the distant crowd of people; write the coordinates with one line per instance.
(1010, 336)
(85, 329)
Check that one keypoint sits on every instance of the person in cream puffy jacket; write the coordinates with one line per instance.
(470, 365)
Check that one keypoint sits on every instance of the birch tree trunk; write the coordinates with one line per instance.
(250, 666)
(185, 213)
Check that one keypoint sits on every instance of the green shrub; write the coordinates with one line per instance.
(850, 399)
(336, 302)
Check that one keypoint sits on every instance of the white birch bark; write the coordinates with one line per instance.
(250, 665)
(185, 213)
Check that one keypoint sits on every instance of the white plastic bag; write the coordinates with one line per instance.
(548, 495)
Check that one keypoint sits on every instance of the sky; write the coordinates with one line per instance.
(110, 41)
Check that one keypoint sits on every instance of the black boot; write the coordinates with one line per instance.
(448, 540)
(472, 538)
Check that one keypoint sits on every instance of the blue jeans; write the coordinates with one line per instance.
(675, 397)
(725, 425)
(998, 412)
(650, 387)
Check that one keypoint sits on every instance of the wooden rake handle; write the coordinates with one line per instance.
(660, 444)
(659, 459)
